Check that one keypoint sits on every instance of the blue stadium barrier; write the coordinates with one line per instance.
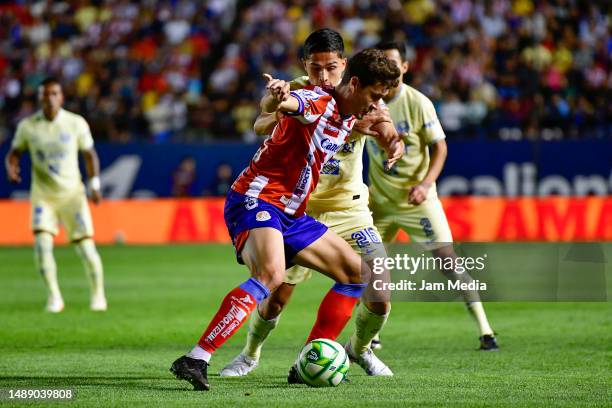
(493, 168)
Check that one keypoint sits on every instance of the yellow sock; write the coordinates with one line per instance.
(476, 310)
(259, 329)
(45, 262)
(367, 325)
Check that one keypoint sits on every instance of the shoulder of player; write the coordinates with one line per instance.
(74, 118)
(314, 95)
(299, 82)
(25, 125)
(71, 115)
(31, 118)
(416, 97)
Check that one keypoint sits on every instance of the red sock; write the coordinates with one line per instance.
(334, 313)
(234, 310)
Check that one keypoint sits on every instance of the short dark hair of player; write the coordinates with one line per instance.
(50, 81)
(371, 66)
(400, 46)
(323, 40)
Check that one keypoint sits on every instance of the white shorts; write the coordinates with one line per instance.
(425, 223)
(356, 227)
(72, 211)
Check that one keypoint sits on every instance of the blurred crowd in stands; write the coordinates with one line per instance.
(191, 70)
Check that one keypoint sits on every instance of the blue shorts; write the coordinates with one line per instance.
(243, 213)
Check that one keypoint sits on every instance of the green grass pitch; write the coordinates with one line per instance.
(160, 299)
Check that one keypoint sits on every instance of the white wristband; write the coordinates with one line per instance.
(94, 183)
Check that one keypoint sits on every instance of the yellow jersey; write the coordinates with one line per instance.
(54, 151)
(416, 121)
(341, 185)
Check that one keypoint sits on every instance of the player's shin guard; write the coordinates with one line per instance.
(259, 329)
(367, 325)
(93, 266)
(234, 310)
(335, 310)
(45, 262)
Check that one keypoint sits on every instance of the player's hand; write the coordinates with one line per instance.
(366, 125)
(418, 193)
(396, 151)
(278, 88)
(96, 196)
(13, 173)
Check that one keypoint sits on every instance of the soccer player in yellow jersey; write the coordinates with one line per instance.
(53, 137)
(405, 197)
(341, 202)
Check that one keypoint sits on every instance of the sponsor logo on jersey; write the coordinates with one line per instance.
(302, 181)
(349, 147)
(263, 216)
(330, 146)
(332, 167)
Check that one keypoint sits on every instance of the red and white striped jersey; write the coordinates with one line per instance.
(285, 169)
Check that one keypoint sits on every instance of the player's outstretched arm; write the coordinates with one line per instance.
(278, 97)
(439, 152)
(11, 162)
(92, 166)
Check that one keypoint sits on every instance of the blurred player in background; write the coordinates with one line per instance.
(340, 201)
(264, 211)
(405, 197)
(54, 137)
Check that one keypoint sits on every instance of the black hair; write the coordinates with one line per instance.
(50, 81)
(400, 46)
(324, 40)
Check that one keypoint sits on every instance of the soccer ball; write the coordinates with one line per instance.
(323, 363)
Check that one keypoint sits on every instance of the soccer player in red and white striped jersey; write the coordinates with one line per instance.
(264, 210)
(286, 168)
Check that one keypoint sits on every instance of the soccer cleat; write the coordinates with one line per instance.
(55, 304)
(98, 304)
(488, 343)
(240, 366)
(376, 344)
(293, 377)
(192, 370)
(371, 364)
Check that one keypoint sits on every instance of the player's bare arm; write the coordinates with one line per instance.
(419, 192)
(391, 142)
(13, 169)
(92, 166)
(378, 124)
(265, 122)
